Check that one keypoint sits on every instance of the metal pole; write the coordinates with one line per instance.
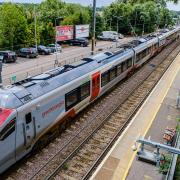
(110, 24)
(56, 60)
(117, 25)
(35, 27)
(0, 72)
(94, 27)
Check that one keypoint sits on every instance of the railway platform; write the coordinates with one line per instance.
(157, 112)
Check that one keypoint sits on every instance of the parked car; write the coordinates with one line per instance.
(43, 50)
(8, 56)
(79, 41)
(109, 35)
(120, 36)
(53, 48)
(28, 52)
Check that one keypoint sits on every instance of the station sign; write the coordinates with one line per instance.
(64, 33)
(82, 31)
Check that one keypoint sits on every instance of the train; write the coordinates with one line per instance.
(31, 108)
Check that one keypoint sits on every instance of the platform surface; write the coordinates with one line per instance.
(156, 113)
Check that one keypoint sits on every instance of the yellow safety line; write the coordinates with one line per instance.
(134, 154)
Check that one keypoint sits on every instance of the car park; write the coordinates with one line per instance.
(43, 50)
(8, 56)
(28, 52)
(79, 41)
(54, 46)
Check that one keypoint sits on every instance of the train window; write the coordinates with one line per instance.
(71, 99)
(124, 66)
(113, 73)
(104, 78)
(156, 45)
(143, 53)
(148, 51)
(28, 118)
(129, 62)
(118, 70)
(8, 129)
(85, 90)
(138, 57)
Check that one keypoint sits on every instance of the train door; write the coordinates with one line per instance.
(95, 85)
(29, 129)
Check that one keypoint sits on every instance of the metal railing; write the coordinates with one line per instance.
(172, 166)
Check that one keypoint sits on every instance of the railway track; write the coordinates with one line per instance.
(78, 150)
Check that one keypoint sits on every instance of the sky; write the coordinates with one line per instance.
(171, 6)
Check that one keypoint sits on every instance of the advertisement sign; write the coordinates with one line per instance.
(82, 31)
(64, 33)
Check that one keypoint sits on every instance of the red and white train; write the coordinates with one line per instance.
(32, 107)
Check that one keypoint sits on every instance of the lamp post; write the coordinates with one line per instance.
(93, 27)
(108, 22)
(158, 18)
(1, 59)
(117, 22)
(56, 60)
(117, 27)
(35, 26)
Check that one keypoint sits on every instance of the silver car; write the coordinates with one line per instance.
(53, 48)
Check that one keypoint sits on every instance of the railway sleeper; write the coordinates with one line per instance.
(28, 163)
(110, 127)
(99, 141)
(118, 116)
(80, 163)
(99, 135)
(107, 131)
(82, 160)
(112, 124)
(65, 176)
(85, 157)
(104, 137)
(92, 151)
(93, 147)
(76, 170)
(10, 178)
(87, 152)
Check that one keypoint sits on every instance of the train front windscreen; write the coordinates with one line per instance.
(4, 114)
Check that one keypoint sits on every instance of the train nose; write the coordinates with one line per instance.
(4, 114)
(7, 138)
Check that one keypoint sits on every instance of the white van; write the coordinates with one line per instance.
(109, 35)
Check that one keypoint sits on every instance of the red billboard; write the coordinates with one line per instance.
(64, 33)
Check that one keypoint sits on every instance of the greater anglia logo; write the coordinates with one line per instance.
(53, 108)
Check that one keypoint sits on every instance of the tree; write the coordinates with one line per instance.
(77, 15)
(137, 16)
(13, 26)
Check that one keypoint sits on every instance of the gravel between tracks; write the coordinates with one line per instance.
(45, 162)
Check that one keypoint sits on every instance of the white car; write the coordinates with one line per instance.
(121, 36)
(109, 35)
(53, 48)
